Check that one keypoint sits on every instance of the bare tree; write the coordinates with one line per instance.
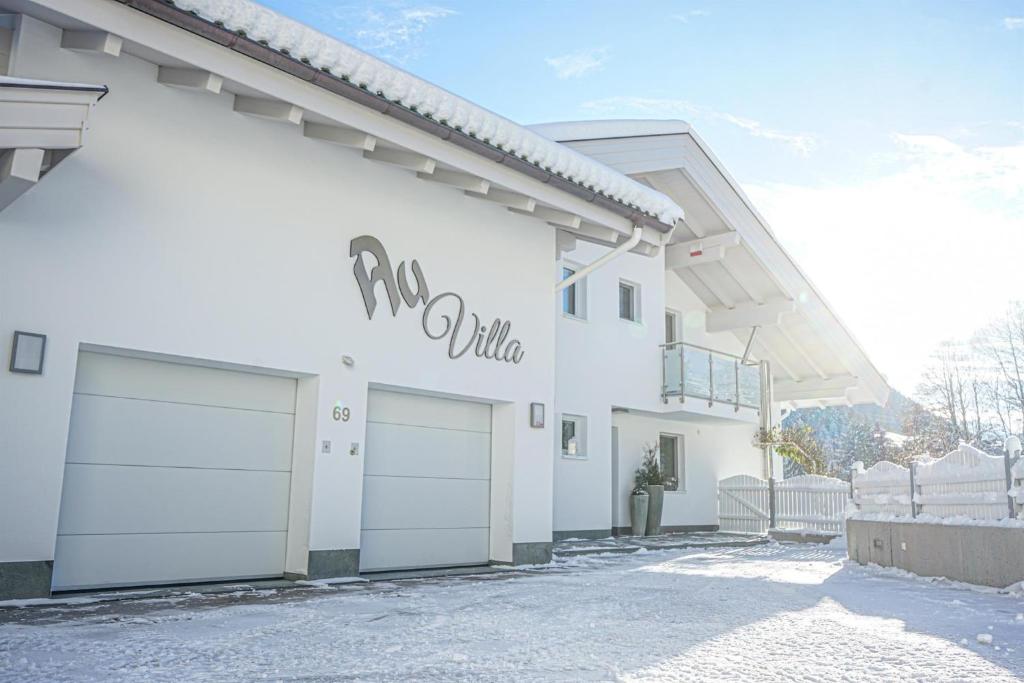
(1000, 345)
(949, 386)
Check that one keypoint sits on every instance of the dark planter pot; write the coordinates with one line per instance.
(638, 513)
(657, 496)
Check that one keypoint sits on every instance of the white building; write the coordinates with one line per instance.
(274, 308)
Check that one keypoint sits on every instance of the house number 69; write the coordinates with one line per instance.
(342, 414)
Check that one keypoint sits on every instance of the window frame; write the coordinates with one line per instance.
(635, 301)
(675, 327)
(577, 292)
(580, 433)
(680, 459)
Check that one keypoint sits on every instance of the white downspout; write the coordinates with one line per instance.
(587, 270)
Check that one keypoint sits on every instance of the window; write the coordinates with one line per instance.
(629, 301)
(574, 296)
(574, 436)
(671, 319)
(673, 462)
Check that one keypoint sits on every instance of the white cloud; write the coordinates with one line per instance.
(394, 31)
(575, 64)
(929, 251)
(802, 143)
(1013, 23)
(692, 14)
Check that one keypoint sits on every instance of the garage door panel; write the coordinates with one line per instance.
(174, 473)
(129, 559)
(126, 377)
(409, 548)
(426, 483)
(404, 450)
(428, 411)
(168, 499)
(421, 503)
(122, 431)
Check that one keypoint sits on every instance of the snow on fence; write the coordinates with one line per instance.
(965, 483)
(811, 501)
(743, 504)
(883, 488)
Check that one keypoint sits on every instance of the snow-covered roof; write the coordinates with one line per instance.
(340, 59)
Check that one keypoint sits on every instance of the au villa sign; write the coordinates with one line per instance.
(444, 316)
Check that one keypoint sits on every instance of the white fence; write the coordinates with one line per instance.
(964, 483)
(884, 488)
(811, 501)
(743, 504)
(804, 502)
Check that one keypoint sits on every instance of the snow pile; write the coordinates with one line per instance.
(924, 518)
(966, 463)
(883, 472)
(373, 75)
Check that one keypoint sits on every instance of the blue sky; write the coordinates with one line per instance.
(884, 141)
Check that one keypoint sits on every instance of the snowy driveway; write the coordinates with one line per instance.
(765, 613)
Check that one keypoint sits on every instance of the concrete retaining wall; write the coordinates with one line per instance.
(987, 556)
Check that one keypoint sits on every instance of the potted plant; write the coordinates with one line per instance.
(638, 510)
(650, 477)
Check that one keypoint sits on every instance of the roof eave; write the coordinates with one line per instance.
(164, 11)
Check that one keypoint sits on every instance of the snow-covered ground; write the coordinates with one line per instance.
(764, 613)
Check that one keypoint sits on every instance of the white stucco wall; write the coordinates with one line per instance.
(184, 228)
(712, 451)
(605, 362)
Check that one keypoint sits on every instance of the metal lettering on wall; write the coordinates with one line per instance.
(444, 316)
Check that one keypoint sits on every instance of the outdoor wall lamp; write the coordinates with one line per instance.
(537, 415)
(27, 353)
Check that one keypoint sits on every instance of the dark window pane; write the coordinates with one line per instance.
(626, 302)
(568, 432)
(569, 293)
(669, 460)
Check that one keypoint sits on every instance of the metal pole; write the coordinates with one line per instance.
(682, 373)
(913, 490)
(664, 375)
(765, 381)
(771, 502)
(1009, 483)
(1011, 446)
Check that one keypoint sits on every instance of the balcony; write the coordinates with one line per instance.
(690, 371)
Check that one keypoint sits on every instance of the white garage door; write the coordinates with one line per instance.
(426, 491)
(175, 473)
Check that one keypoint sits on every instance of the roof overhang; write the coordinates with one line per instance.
(42, 122)
(727, 255)
(269, 80)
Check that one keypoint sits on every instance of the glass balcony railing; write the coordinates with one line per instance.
(690, 371)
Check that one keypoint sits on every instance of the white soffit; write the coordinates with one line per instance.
(815, 358)
(41, 122)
